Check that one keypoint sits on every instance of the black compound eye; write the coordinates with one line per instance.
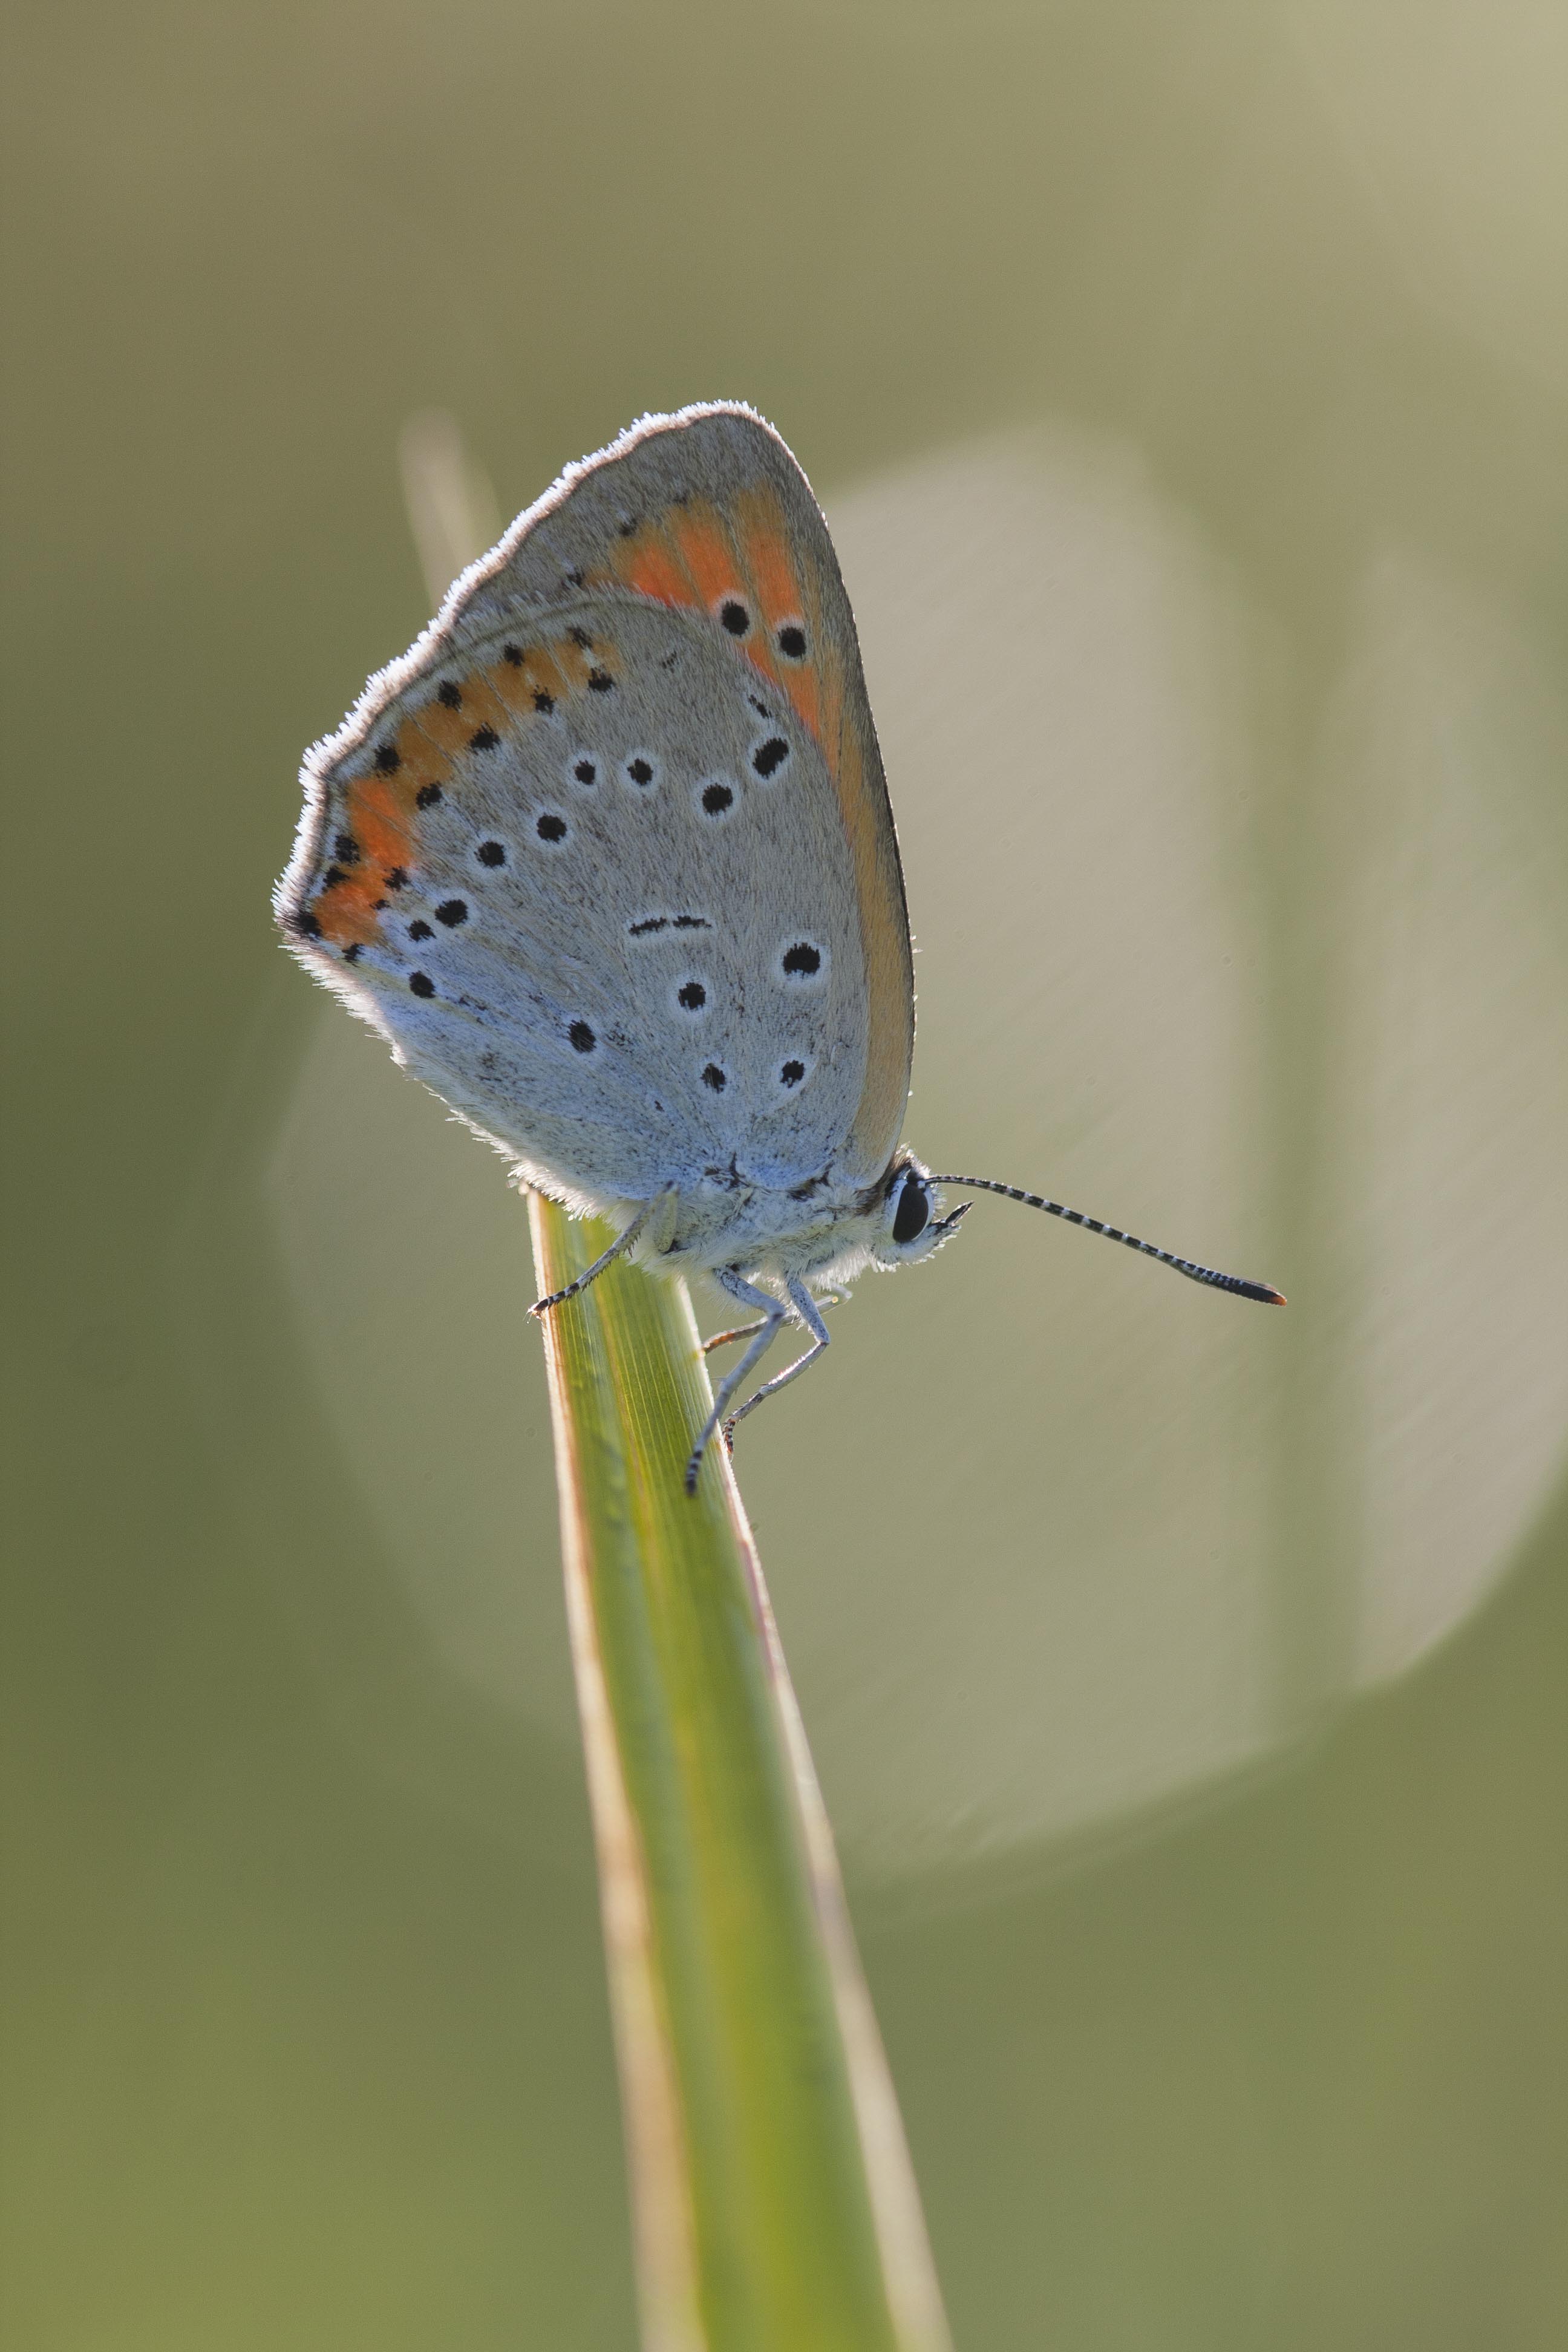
(913, 1212)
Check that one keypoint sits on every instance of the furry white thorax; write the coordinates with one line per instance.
(824, 1233)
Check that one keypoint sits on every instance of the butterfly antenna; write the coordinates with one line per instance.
(1204, 1273)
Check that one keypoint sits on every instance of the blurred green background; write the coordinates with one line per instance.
(1188, 389)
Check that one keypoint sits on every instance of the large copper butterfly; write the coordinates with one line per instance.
(608, 858)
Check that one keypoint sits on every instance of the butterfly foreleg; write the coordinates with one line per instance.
(806, 1307)
(762, 1334)
(621, 1243)
(745, 1331)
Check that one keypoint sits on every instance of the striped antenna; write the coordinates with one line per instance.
(1204, 1273)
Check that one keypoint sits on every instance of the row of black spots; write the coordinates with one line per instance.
(599, 678)
(648, 926)
(716, 798)
(550, 826)
(792, 1076)
(449, 695)
(451, 914)
(769, 756)
(736, 619)
(640, 770)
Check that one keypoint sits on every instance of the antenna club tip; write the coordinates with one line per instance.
(1268, 1297)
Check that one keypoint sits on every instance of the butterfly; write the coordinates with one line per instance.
(608, 858)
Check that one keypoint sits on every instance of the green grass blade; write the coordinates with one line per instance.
(774, 2209)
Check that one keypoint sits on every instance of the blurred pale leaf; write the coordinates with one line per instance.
(1063, 1477)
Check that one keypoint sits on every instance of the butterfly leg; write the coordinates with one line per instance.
(622, 1242)
(806, 1307)
(744, 1330)
(763, 1335)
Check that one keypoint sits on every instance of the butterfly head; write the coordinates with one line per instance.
(910, 1226)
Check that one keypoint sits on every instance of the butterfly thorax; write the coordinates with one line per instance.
(821, 1229)
(826, 1232)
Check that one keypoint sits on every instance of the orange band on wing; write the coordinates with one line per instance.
(452, 726)
(651, 566)
(344, 905)
(764, 541)
(381, 816)
(694, 561)
(706, 552)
